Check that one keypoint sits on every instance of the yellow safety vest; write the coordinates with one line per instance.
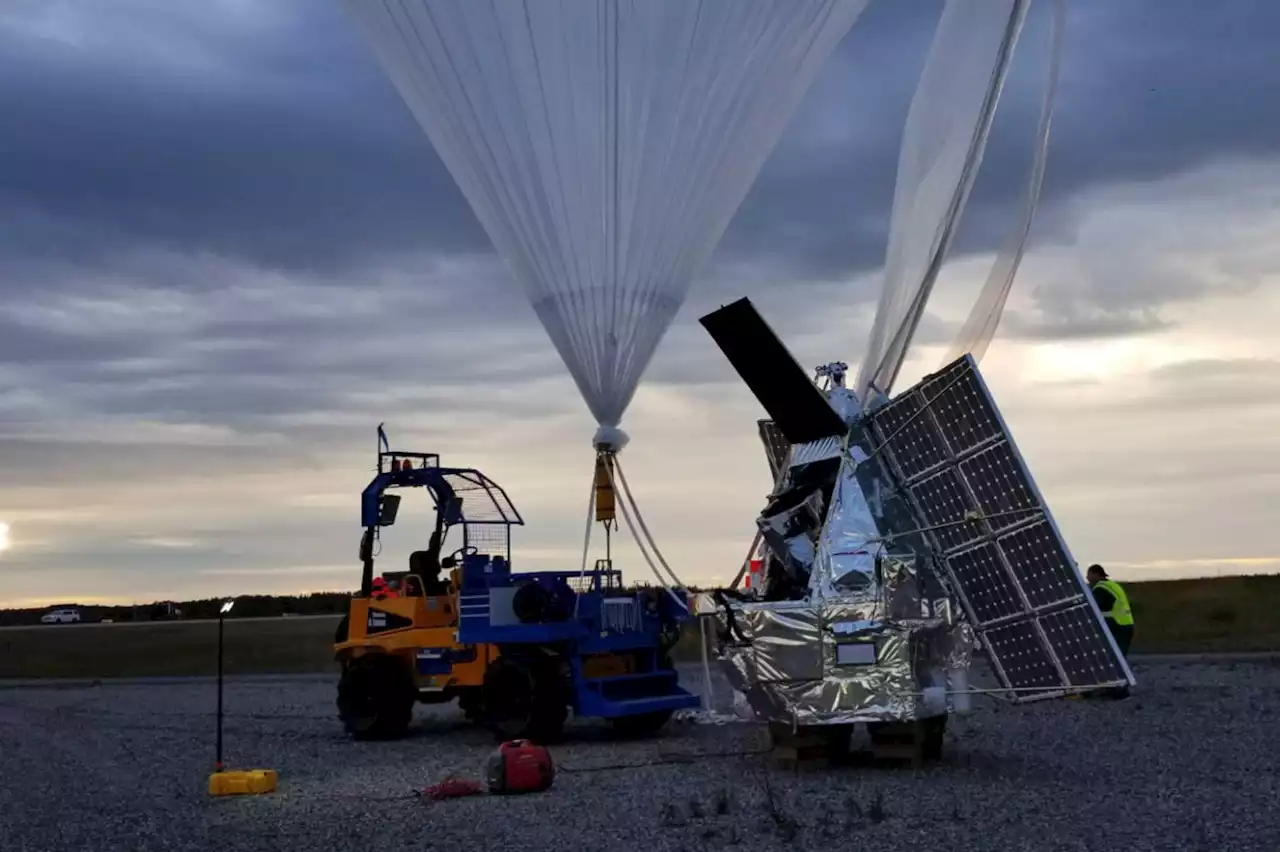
(1120, 612)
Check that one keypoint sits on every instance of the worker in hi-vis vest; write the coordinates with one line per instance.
(1114, 604)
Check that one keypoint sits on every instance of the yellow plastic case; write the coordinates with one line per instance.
(242, 782)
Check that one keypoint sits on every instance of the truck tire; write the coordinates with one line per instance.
(376, 698)
(524, 700)
(471, 703)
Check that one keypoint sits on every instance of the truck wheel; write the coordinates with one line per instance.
(524, 700)
(642, 724)
(344, 630)
(376, 698)
(471, 703)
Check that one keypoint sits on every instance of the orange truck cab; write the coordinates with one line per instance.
(399, 647)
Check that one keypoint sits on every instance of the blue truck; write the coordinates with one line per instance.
(518, 651)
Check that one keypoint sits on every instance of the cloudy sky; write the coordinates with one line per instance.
(227, 252)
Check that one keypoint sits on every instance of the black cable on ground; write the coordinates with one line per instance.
(667, 761)
(369, 797)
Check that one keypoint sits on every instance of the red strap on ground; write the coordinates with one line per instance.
(452, 788)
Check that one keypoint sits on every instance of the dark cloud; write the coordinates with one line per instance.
(285, 144)
(298, 156)
(277, 382)
(1163, 85)
(1147, 90)
(28, 344)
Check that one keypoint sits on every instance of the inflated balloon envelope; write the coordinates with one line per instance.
(604, 145)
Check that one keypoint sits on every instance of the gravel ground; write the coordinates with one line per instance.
(1190, 763)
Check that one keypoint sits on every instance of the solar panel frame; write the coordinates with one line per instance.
(777, 449)
(943, 442)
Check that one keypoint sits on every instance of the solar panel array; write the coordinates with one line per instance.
(945, 445)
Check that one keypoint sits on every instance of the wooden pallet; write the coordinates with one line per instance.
(823, 746)
(916, 742)
(809, 746)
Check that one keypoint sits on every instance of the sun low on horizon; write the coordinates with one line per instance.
(4, 537)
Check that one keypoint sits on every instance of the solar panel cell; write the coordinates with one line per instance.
(1037, 560)
(1001, 492)
(989, 588)
(961, 409)
(945, 503)
(1081, 647)
(1017, 651)
(912, 436)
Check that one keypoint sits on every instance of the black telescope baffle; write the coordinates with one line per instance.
(798, 409)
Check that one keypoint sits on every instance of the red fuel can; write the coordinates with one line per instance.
(520, 766)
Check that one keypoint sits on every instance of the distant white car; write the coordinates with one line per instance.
(61, 616)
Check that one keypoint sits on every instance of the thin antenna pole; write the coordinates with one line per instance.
(218, 761)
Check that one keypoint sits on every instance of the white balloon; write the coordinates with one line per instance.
(942, 147)
(604, 145)
(985, 313)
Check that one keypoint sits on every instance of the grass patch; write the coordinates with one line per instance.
(1199, 616)
(1229, 614)
(169, 649)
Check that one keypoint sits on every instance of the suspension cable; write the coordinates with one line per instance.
(626, 490)
(626, 517)
(586, 545)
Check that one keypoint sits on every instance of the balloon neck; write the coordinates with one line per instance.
(610, 439)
